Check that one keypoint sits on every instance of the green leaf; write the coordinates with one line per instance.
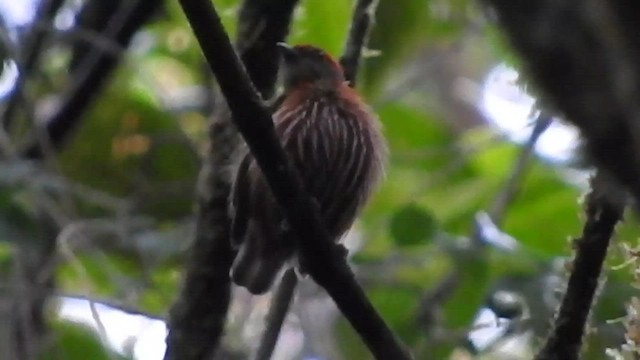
(397, 26)
(104, 273)
(323, 23)
(416, 138)
(74, 341)
(544, 212)
(412, 225)
(469, 294)
(404, 27)
(128, 146)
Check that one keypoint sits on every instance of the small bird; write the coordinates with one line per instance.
(335, 143)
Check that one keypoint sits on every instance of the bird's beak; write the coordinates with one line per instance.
(289, 54)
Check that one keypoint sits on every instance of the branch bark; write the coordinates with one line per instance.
(94, 17)
(584, 57)
(363, 18)
(565, 339)
(198, 316)
(357, 40)
(262, 24)
(254, 122)
(32, 283)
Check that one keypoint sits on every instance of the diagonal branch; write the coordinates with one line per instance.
(45, 13)
(357, 40)
(30, 56)
(91, 77)
(255, 124)
(512, 185)
(198, 316)
(436, 297)
(93, 17)
(565, 339)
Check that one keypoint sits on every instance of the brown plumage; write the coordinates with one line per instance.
(334, 141)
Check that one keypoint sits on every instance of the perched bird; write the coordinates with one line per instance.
(335, 143)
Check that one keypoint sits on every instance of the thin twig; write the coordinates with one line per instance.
(363, 17)
(277, 313)
(565, 339)
(510, 189)
(97, 319)
(441, 292)
(88, 38)
(254, 122)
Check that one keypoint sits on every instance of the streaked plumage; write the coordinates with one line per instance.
(335, 143)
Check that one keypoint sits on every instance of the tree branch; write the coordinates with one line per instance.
(91, 77)
(585, 57)
(433, 299)
(32, 283)
(358, 36)
(198, 316)
(512, 185)
(93, 17)
(363, 17)
(277, 312)
(30, 55)
(262, 24)
(255, 124)
(565, 339)
(196, 319)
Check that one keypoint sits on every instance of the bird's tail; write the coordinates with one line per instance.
(258, 262)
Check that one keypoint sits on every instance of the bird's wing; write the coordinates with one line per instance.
(350, 172)
(333, 151)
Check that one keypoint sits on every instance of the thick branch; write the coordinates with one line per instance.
(585, 58)
(363, 17)
(94, 17)
(358, 36)
(255, 124)
(262, 24)
(565, 339)
(198, 316)
(196, 319)
(91, 76)
(33, 282)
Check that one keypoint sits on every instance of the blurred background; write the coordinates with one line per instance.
(462, 250)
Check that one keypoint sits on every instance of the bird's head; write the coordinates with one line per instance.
(309, 65)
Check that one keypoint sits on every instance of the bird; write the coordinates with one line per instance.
(335, 142)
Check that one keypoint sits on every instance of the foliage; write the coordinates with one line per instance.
(122, 189)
